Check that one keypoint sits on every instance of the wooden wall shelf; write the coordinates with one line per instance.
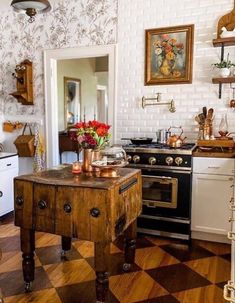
(224, 42)
(223, 80)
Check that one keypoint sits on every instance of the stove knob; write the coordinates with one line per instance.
(136, 159)
(128, 157)
(169, 160)
(178, 161)
(152, 160)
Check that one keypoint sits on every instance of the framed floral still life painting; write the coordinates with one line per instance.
(169, 55)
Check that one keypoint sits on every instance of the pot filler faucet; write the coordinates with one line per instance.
(157, 100)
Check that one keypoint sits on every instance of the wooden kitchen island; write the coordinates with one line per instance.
(89, 208)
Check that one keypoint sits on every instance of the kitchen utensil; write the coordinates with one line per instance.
(232, 102)
(204, 111)
(210, 113)
(140, 140)
(175, 141)
(162, 136)
(201, 118)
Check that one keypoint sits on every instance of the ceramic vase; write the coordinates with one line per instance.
(224, 72)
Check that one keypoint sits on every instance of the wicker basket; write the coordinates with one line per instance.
(25, 143)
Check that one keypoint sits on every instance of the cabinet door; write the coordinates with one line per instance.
(210, 203)
(6, 191)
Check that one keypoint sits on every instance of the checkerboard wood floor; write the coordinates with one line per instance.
(165, 271)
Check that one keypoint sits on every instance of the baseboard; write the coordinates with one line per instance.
(210, 237)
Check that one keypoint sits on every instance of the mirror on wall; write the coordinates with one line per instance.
(72, 101)
(90, 71)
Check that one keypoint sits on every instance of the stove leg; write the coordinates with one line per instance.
(129, 246)
(27, 238)
(66, 245)
(102, 251)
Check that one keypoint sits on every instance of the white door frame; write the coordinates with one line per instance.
(51, 99)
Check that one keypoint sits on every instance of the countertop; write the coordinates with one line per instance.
(214, 153)
(7, 155)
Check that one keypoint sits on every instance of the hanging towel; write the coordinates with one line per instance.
(39, 157)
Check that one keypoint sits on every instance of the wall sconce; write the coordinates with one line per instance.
(31, 7)
(156, 101)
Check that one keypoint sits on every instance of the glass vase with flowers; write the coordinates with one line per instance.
(92, 136)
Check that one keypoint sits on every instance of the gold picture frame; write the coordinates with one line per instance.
(169, 55)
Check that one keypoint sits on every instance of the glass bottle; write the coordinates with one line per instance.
(223, 126)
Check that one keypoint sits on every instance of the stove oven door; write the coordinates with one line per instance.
(159, 191)
(166, 193)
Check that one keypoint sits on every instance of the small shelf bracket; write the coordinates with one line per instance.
(156, 101)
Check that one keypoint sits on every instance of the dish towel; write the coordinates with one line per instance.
(39, 157)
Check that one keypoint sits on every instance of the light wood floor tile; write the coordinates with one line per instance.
(43, 239)
(159, 241)
(152, 257)
(69, 272)
(44, 296)
(13, 261)
(85, 248)
(209, 294)
(214, 269)
(9, 230)
(134, 287)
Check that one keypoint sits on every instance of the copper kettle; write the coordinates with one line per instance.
(176, 141)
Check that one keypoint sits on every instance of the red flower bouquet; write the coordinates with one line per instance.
(92, 134)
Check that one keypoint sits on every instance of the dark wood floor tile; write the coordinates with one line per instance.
(164, 299)
(52, 254)
(226, 257)
(185, 252)
(10, 243)
(82, 293)
(221, 285)
(177, 277)
(12, 283)
(141, 242)
(115, 264)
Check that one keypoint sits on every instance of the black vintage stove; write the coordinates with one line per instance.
(167, 178)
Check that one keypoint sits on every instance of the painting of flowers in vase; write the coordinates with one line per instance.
(169, 55)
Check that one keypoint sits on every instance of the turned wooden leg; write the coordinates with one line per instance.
(66, 245)
(27, 238)
(102, 251)
(129, 246)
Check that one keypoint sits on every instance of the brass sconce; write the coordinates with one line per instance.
(24, 82)
(31, 7)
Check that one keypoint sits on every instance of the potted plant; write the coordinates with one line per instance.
(224, 66)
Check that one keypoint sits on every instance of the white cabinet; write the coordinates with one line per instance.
(212, 190)
(8, 170)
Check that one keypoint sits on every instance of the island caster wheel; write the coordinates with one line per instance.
(126, 266)
(28, 286)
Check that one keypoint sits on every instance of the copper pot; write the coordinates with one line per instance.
(175, 141)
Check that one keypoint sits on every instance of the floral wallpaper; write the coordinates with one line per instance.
(70, 23)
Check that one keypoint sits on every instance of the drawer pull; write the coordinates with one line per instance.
(231, 235)
(9, 164)
(19, 201)
(67, 208)
(229, 290)
(1, 194)
(95, 212)
(42, 204)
